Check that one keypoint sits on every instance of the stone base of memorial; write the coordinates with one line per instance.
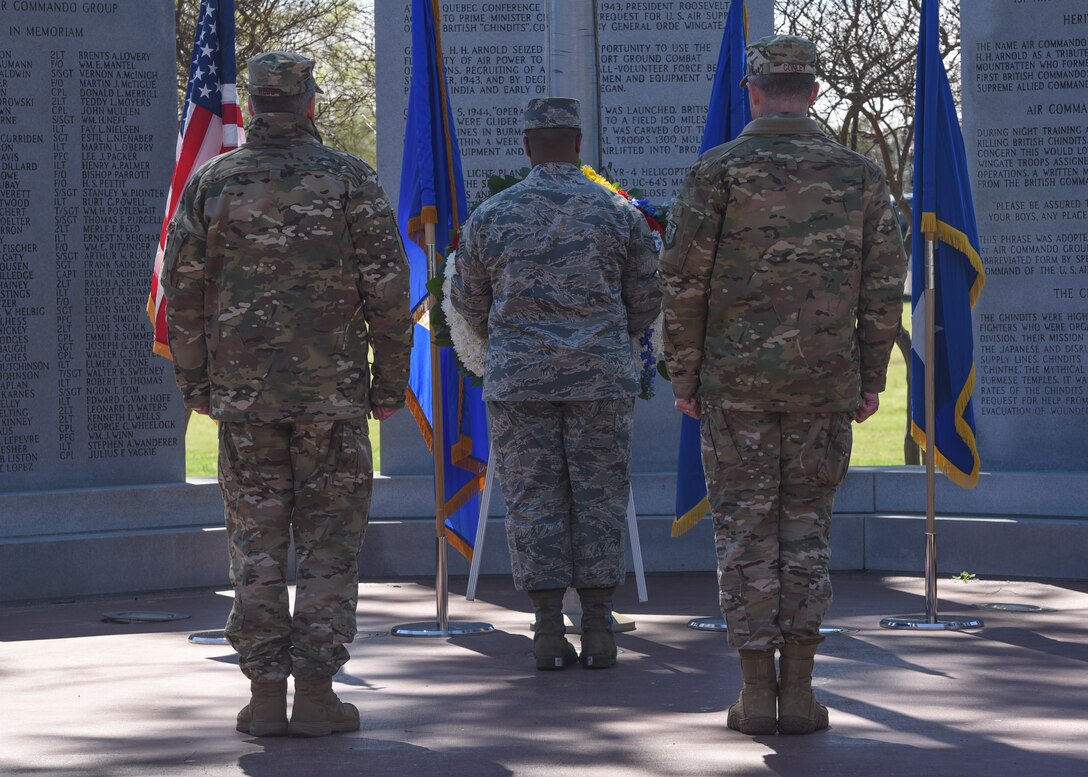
(164, 537)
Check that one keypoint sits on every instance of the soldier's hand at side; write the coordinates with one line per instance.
(382, 413)
(869, 404)
(689, 407)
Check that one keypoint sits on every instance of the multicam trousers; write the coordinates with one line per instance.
(565, 469)
(771, 480)
(312, 481)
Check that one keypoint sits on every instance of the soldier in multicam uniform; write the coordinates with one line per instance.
(557, 272)
(782, 276)
(283, 267)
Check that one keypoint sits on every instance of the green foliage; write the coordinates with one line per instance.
(440, 329)
(498, 183)
(339, 34)
(881, 440)
(868, 51)
(965, 577)
(202, 447)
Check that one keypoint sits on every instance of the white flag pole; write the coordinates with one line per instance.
(481, 526)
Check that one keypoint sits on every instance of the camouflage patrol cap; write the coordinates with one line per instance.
(776, 54)
(281, 74)
(551, 113)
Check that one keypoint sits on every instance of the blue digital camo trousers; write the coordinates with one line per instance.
(312, 481)
(771, 481)
(565, 469)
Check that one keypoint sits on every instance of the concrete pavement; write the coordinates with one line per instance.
(84, 698)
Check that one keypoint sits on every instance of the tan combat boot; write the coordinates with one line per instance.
(550, 647)
(798, 710)
(754, 712)
(266, 713)
(318, 712)
(598, 640)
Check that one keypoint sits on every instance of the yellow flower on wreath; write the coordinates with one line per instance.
(596, 177)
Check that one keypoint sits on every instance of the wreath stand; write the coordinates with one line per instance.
(572, 606)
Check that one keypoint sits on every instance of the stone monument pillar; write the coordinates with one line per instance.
(87, 127)
(652, 68)
(1024, 113)
(92, 467)
(1025, 121)
(572, 66)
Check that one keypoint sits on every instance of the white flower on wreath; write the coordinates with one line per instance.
(471, 348)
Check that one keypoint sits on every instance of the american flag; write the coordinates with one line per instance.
(211, 123)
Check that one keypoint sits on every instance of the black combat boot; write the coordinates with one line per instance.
(598, 642)
(550, 647)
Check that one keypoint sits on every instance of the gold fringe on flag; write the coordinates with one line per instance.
(954, 473)
(953, 237)
(687, 521)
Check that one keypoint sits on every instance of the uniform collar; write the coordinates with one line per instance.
(281, 128)
(556, 168)
(783, 124)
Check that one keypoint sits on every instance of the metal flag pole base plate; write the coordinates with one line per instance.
(922, 623)
(209, 638)
(433, 629)
(142, 616)
(707, 624)
(1013, 607)
(718, 624)
(831, 631)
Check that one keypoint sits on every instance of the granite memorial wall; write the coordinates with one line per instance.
(1025, 121)
(655, 66)
(87, 132)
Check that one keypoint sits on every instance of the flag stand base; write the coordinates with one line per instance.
(718, 624)
(707, 624)
(217, 637)
(433, 629)
(1012, 607)
(441, 626)
(923, 623)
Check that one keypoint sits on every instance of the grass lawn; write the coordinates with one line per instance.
(202, 447)
(878, 441)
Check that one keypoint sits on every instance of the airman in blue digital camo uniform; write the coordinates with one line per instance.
(782, 276)
(283, 267)
(558, 272)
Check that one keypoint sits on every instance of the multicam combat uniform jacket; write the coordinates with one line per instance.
(772, 305)
(556, 272)
(264, 331)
